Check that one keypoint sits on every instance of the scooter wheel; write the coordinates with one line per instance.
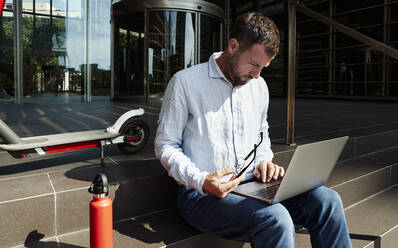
(136, 135)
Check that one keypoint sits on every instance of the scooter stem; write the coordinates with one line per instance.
(8, 135)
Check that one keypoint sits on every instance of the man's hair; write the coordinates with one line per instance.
(251, 28)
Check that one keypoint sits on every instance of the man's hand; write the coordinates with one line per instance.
(214, 186)
(266, 170)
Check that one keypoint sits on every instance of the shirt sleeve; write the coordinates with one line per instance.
(264, 152)
(169, 137)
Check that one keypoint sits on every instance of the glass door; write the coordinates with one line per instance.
(129, 56)
(171, 38)
(210, 37)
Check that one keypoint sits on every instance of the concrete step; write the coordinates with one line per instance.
(359, 144)
(161, 229)
(372, 223)
(320, 117)
(57, 185)
(56, 203)
(362, 177)
(351, 177)
(166, 228)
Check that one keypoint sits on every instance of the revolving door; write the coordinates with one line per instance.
(154, 40)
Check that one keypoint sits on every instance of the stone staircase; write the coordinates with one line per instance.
(44, 201)
(46, 209)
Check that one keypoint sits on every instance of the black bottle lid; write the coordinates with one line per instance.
(100, 185)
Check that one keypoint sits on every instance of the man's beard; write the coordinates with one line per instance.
(235, 77)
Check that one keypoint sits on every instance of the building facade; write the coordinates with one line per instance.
(127, 50)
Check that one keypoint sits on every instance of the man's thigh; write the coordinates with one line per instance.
(234, 217)
(307, 208)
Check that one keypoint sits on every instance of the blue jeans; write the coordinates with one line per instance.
(239, 218)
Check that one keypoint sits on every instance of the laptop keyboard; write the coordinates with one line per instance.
(268, 192)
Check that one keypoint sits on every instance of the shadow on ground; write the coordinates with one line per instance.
(13, 166)
(33, 240)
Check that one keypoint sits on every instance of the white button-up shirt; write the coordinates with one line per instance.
(206, 124)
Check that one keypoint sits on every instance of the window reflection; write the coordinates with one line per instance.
(209, 37)
(53, 50)
(67, 48)
(189, 44)
(276, 74)
(42, 7)
(171, 47)
(129, 56)
(100, 44)
(75, 36)
(27, 6)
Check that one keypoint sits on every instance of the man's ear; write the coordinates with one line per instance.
(233, 46)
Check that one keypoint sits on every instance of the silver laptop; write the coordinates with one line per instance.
(309, 168)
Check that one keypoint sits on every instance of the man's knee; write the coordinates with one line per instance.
(274, 228)
(275, 217)
(327, 199)
(284, 224)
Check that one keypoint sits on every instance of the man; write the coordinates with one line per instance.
(212, 115)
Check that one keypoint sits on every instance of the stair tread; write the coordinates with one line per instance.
(167, 228)
(352, 130)
(155, 230)
(130, 170)
(372, 218)
(303, 241)
(357, 167)
(376, 215)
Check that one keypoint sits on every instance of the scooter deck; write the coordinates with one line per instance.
(58, 139)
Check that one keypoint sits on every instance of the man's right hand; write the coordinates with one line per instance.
(214, 186)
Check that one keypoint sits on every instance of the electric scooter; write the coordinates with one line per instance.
(129, 132)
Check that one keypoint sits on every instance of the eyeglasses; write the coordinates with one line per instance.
(242, 161)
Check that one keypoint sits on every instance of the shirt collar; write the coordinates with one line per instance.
(214, 69)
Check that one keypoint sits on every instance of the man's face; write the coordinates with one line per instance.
(247, 65)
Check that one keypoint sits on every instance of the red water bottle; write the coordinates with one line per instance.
(101, 224)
